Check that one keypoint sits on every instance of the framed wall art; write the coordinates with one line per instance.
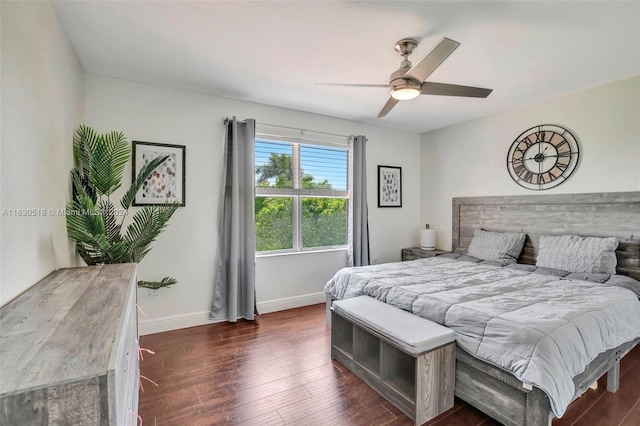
(167, 182)
(389, 186)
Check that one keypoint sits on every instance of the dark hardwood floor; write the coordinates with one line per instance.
(277, 370)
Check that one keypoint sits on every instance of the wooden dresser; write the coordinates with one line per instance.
(68, 351)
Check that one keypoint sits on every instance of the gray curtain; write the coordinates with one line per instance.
(359, 231)
(234, 293)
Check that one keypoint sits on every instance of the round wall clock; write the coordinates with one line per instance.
(542, 157)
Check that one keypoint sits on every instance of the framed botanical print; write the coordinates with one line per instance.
(389, 186)
(166, 184)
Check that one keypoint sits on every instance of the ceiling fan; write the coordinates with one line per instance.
(408, 81)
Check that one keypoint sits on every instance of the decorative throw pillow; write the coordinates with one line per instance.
(591, 255)
(499, 246)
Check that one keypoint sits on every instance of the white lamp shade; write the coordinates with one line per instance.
(428, 239)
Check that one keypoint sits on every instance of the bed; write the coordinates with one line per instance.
(511, 395)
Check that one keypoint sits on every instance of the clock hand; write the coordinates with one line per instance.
(533, 158)
(539, 173)
(548, 156)
(543, 151)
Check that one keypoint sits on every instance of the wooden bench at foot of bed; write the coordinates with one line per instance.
(408, 360)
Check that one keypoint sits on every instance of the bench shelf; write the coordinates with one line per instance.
(366, 350)
(342, 337)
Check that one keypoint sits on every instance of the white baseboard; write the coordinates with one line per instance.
(291, 302)
(176, 322)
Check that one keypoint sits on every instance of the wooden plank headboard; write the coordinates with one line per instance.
(607, 214)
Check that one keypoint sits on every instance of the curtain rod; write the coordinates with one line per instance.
(295, 128)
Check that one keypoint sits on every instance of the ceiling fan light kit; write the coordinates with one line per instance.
(408, 82)
(404, 92)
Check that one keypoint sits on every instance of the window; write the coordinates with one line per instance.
(302, 196)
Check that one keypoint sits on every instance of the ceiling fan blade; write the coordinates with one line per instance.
(353, 85)
(432, 60)
(388, 106)
(429, 88)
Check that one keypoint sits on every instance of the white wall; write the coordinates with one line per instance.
(469, 159)
(187, 249)
(42, 86)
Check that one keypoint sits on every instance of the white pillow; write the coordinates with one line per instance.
(591, 255)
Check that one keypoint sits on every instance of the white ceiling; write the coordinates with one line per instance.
(273, 52)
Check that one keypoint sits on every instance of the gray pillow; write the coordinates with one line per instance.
(498, 246)
(571, 253)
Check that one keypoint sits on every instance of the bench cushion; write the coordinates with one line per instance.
(414, 334)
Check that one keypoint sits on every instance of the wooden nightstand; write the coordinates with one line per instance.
(414, 253)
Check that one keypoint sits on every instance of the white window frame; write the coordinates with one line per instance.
(298, 194)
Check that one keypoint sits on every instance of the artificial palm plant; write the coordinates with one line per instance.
(93, 221)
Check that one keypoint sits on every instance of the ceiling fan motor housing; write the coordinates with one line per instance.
(405, 47)
(396, 79)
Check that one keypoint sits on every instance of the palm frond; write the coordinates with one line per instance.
(86, 226)
(111, 227)
(84, 142)
(147, 224)
(80, 186)
(109, 157)
(96, 250)
(82, 215)
(143, 174)
(88, 255)
(154, 285)
(142, 232)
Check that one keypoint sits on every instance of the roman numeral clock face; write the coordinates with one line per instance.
(543, 157)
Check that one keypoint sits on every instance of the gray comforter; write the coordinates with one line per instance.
(542, 328)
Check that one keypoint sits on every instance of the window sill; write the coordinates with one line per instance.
(296, 253)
